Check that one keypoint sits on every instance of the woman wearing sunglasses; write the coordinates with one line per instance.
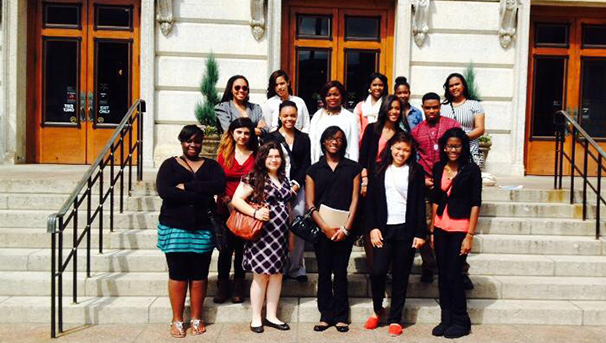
(235, 104)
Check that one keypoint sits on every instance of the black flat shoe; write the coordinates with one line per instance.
(257, 329)
(342, 328)
(301, 278)
(467, 284)
(320, 327)
(282, 327)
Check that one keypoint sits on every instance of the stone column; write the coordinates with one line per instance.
(402, 39)
(147, 84)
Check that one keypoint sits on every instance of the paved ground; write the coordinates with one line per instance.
(303, 333)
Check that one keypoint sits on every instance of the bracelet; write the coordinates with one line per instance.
(255, 214)
(431, 233)
(344, 230)
(471, 234)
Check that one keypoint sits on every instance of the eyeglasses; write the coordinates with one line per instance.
(244, 88)
(453, 147)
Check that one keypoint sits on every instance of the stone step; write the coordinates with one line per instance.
(31, 219)
(66, 186)
(539, 245)
(123, 261)
(534, 210)
(154, 284)
(141, 310)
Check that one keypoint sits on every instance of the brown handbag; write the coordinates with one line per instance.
(244, 226)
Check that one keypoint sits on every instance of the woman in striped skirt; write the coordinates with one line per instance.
(459, 106)
(187, 185)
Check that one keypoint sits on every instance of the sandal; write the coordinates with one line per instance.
(180, 330)
(197, 327)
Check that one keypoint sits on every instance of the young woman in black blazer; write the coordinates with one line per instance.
(296, 147)
(398, 230)
(374, 140)
(456, 199)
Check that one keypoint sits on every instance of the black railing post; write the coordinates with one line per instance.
(100, 213)
(111, 191)
(89, 195)
(53, 282)
(572, 162)
(585, 180)
(130, 157)
(122, 171)
(75, 254)
(558, 132)
(142, 109)
(599, 198)
(60, 276)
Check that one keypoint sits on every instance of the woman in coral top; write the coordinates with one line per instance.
(367, 111)
(237, 157)
(456, 206)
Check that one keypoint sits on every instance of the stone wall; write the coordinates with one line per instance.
(461, 32)
(202, 27)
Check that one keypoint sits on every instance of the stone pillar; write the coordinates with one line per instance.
(274, 31)
(14, 82)
(518, 135)
(402, 39)
(147, 84)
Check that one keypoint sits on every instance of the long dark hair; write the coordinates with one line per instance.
(387, 158)
(447, 95)
(456, 132)
(383, 79)
(271, 87)
(227, 145)
(227, 94)
(329, 133)
(258, 175)
(384, 114)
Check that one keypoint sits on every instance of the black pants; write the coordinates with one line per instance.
(235, 245)
(333, 258)
(400, 254)
(450, 281)
(186, 266)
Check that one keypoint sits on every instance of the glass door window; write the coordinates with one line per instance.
(347, 43)
(85, 79)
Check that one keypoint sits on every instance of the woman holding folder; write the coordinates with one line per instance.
(332, 187)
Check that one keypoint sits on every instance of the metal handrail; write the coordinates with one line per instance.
(564, 123)
(58, 222)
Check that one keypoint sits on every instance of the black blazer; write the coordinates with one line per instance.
(188, 209)
(376, 204)
(369, 148)
(300, 158)
(466, 190)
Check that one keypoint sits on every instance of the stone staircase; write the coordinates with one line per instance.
(533, 262)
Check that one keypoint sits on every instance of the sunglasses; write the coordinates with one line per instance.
(244, 88)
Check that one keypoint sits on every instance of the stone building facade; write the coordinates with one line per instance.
(424, 40)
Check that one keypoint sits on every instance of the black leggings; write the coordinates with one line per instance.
(235, 246)
(450, 280)
(186, 266)
(400, 254)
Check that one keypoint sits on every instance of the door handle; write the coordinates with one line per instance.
(82, 106)
(91, 102)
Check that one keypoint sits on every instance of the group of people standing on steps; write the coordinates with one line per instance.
(406, 180)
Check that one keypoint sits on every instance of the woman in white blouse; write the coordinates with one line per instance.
(333, 114)
(279, 90)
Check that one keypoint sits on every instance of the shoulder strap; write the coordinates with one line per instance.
(189, 166)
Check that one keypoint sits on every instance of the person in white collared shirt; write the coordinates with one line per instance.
(334, 114)
(279, 90)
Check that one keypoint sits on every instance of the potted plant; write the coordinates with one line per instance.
(205, 110)
(485, 143)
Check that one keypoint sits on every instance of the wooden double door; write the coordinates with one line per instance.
(336, 40)
(567, 72)
(84, 75)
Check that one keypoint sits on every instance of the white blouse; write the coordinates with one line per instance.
(345, 120)
(396, 193)
(271, 113)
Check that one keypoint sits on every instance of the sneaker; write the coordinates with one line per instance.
(372, 323)
(395, 329)
(467, 284)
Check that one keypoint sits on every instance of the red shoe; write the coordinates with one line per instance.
(372, 323)
(395, 329)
